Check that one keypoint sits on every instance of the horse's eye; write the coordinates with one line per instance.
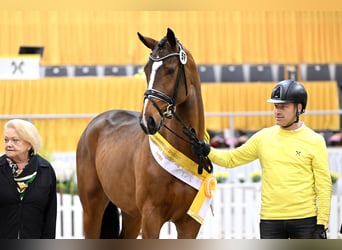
(170, 71)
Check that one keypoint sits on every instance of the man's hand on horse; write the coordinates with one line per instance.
(200, 147)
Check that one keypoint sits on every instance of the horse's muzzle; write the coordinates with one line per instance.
(151, 126)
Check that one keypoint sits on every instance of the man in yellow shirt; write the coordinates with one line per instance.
(296, 182)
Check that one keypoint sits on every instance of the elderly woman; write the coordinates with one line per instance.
(28, 200)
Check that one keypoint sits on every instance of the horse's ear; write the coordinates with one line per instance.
(171, 37)
(149, 42)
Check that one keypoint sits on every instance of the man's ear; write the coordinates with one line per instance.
(299, 107)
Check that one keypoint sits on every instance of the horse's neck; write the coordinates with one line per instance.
(195, 111)
(191, 116)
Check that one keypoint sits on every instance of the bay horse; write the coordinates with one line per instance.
(116, 171)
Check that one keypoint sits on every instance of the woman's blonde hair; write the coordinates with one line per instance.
(27, 132)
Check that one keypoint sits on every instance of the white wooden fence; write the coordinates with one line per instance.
(236, 215)
(69, 217)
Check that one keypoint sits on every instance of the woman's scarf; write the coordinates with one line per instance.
(23, 177)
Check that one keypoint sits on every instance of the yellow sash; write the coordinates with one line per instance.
(185, 169)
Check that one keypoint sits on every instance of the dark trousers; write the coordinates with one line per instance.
(288, 229)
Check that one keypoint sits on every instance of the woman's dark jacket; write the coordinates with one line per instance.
(33, 217)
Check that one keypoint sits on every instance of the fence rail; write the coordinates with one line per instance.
(236, 215)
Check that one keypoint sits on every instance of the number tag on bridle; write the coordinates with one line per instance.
(182, 56)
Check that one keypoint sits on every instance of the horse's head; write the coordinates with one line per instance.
(168, 81)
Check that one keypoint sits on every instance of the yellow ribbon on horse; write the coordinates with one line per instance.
(175, 162)
(203, 199)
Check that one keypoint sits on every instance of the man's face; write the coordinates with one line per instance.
(285, 113)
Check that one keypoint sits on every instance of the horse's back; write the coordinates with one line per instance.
(106, 126)
(113, 119)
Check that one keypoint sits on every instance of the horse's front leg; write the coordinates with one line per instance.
(187, 227)
(152, 222)
(131, 226)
